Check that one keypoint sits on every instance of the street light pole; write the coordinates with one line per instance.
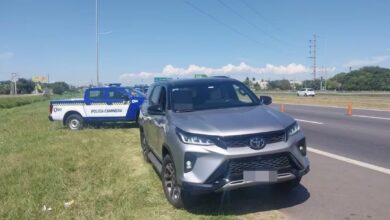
(97, 44)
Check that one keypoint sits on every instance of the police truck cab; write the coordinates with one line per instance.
(101, 104)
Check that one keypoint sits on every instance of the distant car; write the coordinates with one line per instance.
(102, 104)
(306, 92)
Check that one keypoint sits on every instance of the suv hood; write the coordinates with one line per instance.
(232, 121)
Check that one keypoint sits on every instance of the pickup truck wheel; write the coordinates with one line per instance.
(144, 146)
(174, 194)
(75, 122)
(305, 94)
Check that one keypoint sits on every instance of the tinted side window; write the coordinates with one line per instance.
(149, 92)
(154, 98)
(95, 94)
(163, 98)
(114, 94)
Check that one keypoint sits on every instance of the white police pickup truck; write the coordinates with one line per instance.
(102, 104)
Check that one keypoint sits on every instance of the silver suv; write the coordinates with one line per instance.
(214, 134)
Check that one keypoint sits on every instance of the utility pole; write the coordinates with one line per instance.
(313, 54)
(13, 88)
(326, 76)
(97, 44)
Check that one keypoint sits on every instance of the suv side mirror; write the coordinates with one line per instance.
(155, 110)
(266, 100)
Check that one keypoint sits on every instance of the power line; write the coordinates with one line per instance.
(212, 17)
(248, 21)
(258, 13)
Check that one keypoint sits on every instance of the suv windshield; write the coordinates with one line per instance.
(211, 96)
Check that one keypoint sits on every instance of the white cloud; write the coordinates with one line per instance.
(368, 62)
(229, 69)
(6, 56)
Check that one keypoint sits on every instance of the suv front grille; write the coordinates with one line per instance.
(275, 162)
(233, 169)
(243, 140)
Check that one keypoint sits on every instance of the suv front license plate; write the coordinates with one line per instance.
(260, 176)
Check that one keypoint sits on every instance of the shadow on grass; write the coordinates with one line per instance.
(248, 200)
(112, 125)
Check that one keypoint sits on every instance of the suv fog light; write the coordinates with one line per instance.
(189, 162)
(302, 146)
(302, 149)
(188, 165)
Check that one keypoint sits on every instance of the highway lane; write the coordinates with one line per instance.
(360, 138)
(336, 189)
(333, 189)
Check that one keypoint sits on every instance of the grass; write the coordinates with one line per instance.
(101, 170)
(15, 101)
(358, 100)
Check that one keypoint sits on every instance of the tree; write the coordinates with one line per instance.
(248, 82)
(59, 87)
(256, 86)
(331, 84)
(5, 87)
(25, 86)
(285, 84)
(315, 84)
(365, 78)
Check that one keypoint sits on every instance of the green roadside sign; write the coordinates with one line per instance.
(201, 76)
(159, 79)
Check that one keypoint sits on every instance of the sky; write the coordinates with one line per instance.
(143, 39)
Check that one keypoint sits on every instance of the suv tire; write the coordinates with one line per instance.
(173, 192)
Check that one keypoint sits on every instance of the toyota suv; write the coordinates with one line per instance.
(214, 134)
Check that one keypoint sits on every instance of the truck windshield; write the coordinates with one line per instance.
(211, 96)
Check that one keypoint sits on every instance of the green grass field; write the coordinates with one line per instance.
(15, 101)
(101, 170)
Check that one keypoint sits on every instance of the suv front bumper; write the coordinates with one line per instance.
(217, 186)
(215, 169)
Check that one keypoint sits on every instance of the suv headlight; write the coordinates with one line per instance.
(196, 139)
(293, 129)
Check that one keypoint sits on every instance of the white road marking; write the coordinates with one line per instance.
(312, 122)
(351, 161)
(373, 117)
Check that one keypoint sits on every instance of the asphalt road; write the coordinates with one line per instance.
(336, 189)
(358, 137)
